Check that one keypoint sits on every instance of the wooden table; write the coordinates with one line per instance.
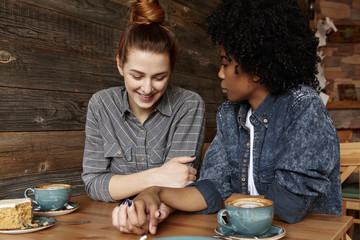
(314, 226)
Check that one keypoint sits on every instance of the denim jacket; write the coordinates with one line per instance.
(296, 159)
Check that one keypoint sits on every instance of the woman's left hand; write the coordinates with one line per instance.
(142, 214)
(121, 216)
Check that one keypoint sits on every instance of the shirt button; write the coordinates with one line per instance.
(143, 133)
(248, 144)
(265, 120)
(142, 159)
(119, 152)
(243, 179)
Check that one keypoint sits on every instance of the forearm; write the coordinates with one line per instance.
(124, 186)
(187, 199)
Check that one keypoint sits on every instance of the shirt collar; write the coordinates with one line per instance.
(164, 105)
(262, 113)
(124, 107)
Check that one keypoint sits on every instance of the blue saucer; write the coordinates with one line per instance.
(274, 232)
(71, 207)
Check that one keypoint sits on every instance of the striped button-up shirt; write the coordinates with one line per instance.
(117, 143)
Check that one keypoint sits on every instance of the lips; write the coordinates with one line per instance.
(146, 98)
(224, 90)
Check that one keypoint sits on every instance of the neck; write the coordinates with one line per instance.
(141, 114)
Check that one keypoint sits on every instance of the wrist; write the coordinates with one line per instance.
(151, 177)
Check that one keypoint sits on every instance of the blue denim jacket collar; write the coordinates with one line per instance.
(262, 113)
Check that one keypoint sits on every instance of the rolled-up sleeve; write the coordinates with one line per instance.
(211, 195)
(96, 174)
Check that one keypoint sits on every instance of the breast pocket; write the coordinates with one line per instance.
(157, 157)
(121, 159)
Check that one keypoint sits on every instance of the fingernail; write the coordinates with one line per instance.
(159, 214)
(129, 203)
(124, 202)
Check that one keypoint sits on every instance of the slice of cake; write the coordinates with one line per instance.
(14, 210)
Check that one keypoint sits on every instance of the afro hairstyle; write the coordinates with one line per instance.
(271, 39)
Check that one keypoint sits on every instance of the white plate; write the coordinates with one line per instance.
(69, 209)
(51, 221)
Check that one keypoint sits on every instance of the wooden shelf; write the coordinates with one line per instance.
(343, 105)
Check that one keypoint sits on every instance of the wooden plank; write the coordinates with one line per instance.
(343, 105)
(345, 118)
(208, 89)
(204, 6)
(210, 134)
(112, 13)
(197, 64)
(35, 110)
(31, 25)
(29, 67)
(15, 187)
(27, 153)
(345, 135)
(196, 42)
(347, 33)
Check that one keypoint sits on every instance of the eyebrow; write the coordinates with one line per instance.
(156, 74)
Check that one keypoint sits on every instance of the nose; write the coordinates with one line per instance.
(221, 74)
(147, 86)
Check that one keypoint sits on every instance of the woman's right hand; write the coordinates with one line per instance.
(175, 173)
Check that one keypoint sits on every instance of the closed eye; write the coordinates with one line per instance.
(136, 77)
(160, 78)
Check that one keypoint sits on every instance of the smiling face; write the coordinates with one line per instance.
(240, 87)
(146, 77)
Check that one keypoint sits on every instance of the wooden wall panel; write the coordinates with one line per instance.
(35, 68)
(345, 118)
(35, 26)
(28, 153)
(35, 110)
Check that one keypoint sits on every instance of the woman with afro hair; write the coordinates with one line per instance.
(274, 138)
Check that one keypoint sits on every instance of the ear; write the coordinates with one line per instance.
(255, 78)
(119, 65)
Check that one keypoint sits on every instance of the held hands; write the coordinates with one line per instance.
(175, 173)
(142, 214)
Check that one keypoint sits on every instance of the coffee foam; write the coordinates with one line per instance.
(52, 186)
(248, 204)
